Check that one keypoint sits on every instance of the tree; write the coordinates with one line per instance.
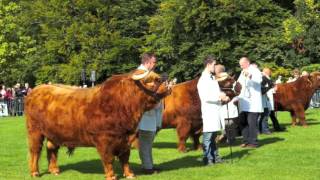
(101, 35)
(302, 31)
(184, 32)
(15, 46)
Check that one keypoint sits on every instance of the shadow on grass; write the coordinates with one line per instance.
(262, 142)
(172, 145)
(175, 164)
(237, 154)
(310, 122)
(161, 145)
(92, 167)
(266, 141)
(95, 166)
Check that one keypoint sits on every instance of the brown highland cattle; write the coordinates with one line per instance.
(295, 96)
(183, 109)
(103, 117)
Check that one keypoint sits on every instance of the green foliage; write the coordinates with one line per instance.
(277, 70)
(304, 25)
(311, 68)
(184, 32)
(54, 40)
(104, 36)
(293, 29)
(15, 46)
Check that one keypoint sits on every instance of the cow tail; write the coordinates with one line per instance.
(70, 151)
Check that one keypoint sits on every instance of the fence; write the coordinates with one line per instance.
(315, 101)
(12, 107)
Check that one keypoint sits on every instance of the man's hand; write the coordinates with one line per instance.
(223, 97)
(247, 74)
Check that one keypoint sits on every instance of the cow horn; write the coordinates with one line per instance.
(139, 76)
(222, 76)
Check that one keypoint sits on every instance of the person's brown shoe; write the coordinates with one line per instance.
(243, 145)
(252, 146)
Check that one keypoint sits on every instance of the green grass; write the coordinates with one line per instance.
(294, 154)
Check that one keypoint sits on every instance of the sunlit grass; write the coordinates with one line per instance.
(294, 154)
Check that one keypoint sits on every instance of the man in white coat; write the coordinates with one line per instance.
(150, 122)
(250, 102)
(211, 101)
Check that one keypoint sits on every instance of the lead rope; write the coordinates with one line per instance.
(228, 135)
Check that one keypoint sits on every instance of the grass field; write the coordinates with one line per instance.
(294, 154)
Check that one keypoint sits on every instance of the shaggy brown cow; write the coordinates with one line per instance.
(183, 110)
(104, 117)
(295, 96)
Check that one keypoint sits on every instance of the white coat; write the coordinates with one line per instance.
(231, 111)
(209, 92)
(271, 99)
(250, 98)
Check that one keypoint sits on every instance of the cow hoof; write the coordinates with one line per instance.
(54, 171)
(198, 148)
(35, 174)
(182, 150)
(111, 178)
(131, 176)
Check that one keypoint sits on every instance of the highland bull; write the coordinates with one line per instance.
(103, 117)
(183, 109)
(295, 96)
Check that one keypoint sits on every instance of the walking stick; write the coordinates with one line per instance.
(228, 134)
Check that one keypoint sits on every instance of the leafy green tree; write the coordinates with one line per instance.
(100, 35)
(184, 32)
(302, 30)
(15, 45)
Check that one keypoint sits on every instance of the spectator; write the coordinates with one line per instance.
(9, 94)
(2, 92)
(296, 75)
(26, 90)
(304, 73)
(266, 85)
(279, 80)
(250, 102)
(18, 90)
(272, 115)
(18, 99)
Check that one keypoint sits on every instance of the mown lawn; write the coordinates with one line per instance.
(294, 154)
